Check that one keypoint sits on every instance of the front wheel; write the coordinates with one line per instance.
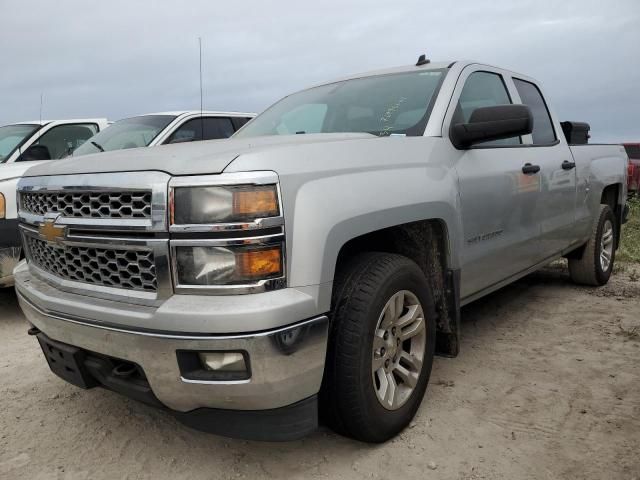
(381, 347)
(596, 264)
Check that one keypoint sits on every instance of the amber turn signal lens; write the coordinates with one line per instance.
(2, 206)
(259, 263)
(256, 202)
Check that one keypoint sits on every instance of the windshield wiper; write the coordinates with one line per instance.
(97, 145)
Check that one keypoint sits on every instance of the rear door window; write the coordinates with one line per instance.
(206, 128)
(217, 128)
(239, 122)
(543, 132)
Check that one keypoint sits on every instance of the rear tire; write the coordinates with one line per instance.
(596, 264)
(368, 349)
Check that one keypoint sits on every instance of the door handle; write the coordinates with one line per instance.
(567, 165)
(529, 169)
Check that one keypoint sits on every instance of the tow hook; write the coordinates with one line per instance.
(33, 331)
(124, 370)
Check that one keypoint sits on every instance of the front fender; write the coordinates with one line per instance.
(335, 191)
(330, 211)
(8, 190)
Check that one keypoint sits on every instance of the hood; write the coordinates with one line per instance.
(17, 169)
(195, 158)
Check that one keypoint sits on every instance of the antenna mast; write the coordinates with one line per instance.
(201, 101)
(40, 126)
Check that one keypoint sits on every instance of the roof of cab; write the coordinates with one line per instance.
(65, 120)
(459, 64)
(387, 71)
(401, 69)
(177, 113)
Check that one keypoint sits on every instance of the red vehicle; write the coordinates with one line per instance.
(633, 177)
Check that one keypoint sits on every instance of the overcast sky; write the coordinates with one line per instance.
(120, 58)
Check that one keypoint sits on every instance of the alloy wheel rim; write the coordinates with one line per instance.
(398, 349)
(606, 245)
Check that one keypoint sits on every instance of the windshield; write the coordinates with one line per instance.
(131, 132)
(381, 105)
(12, 136)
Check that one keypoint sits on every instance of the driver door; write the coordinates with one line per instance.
(58, 142)
(497, 200)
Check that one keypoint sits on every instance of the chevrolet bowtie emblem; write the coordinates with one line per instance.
(50, 231)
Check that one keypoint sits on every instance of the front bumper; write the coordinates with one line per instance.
(287, 363)
(10, 250)
(87, 370)
(281, 373)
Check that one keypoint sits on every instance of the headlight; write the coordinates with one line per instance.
(229, 265)
(223, 204)
(227, 233)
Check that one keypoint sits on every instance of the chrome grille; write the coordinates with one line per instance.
(110, 267)
(125, 204)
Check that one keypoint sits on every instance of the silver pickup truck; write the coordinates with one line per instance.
(312, 265)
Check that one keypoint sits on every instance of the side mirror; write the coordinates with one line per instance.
(35, 152)
(492, 123)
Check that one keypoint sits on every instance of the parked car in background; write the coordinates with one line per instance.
(318, 259)
(633, 177)
(45, 140)
(23, 145)
(164, 128)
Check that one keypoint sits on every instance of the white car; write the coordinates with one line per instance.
(23, 145)
(42, 141)
(164, 128)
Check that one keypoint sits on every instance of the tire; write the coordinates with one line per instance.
(591, 269)
(351, 388)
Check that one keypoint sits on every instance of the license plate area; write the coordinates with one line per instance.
(66, 361)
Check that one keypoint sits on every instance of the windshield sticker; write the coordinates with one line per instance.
(388, 115)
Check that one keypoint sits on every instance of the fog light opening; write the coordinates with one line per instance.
(214, 366)
(223, 361)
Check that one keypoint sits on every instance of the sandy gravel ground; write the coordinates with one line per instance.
(547, 386)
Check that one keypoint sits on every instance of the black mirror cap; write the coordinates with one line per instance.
(35, 152)
(492, 123)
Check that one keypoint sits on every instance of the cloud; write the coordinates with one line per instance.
(121, 58)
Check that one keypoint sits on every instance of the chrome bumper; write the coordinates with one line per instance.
(287, 363)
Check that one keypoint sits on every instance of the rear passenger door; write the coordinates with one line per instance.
(497, 201)
(239, 122)
(556, 209)
(202, 128)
